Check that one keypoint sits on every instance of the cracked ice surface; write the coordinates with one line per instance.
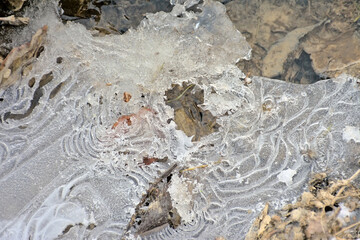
(64, 165)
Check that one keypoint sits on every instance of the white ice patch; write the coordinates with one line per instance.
(181, 198)
(344, 214)
(286, 176)
(351, 133)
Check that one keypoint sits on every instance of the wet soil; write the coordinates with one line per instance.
(299, 41)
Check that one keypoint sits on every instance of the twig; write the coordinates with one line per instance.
(347, 181)
(347, 228)
(182, 94)
(193, 168)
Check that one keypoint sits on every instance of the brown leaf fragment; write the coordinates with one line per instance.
(127, 119)
(316, 227)
(307, 198)
(127, 97)
(15, 21)
(123, 119)
(20, 58)
(258, 226)
(155, 209)
(189, 117)
(150, 160)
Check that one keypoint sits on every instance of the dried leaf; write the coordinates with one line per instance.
(318, 204)
(316, 226)
(127, 97)
(263, 225)
(21, 57)
(306, 198)
(316, 215)
(16, 21)
(297, 214)
(186, 101)
(150, 160)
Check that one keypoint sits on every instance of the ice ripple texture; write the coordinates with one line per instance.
(63, 165)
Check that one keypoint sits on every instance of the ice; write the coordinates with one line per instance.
(286, 176)
(181, 198)
(344, 213)
(351, 133)
(63, 164)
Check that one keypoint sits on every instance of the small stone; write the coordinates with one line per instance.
(59, 60)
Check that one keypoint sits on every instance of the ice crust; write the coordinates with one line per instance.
(64, 165)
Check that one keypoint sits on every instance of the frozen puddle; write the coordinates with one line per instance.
(66, 173)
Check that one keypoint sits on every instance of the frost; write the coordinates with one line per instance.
(59, 149)
(351, 133)
(181, 198)
(286, 176)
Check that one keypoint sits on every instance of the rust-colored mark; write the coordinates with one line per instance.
(150, 160)
(108, 84)
(127, 118)
(122, 119)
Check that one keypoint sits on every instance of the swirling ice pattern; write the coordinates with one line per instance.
(286, 133)
(82, 143)
(275, 131)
